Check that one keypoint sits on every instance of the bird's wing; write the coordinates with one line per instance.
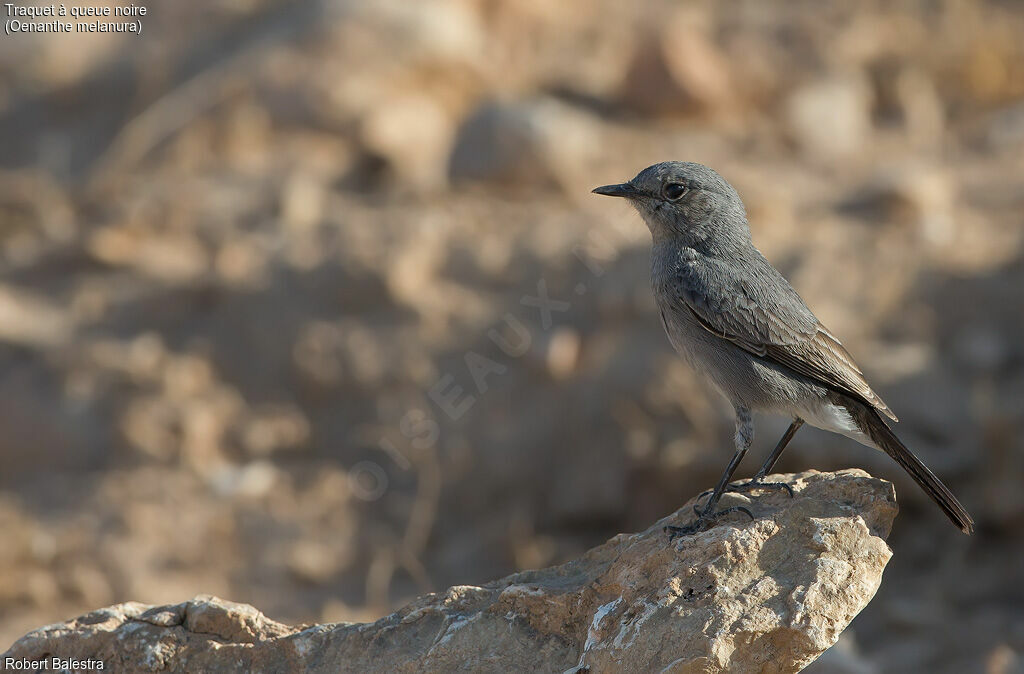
(774, 325)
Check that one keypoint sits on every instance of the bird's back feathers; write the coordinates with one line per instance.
(759, 311)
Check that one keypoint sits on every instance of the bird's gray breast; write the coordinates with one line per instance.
(688, 337)
(702, 350)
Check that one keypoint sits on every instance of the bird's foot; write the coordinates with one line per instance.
(750, 486)
(704, 520)
(756, 484)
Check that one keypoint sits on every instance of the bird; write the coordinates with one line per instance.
(733, 317)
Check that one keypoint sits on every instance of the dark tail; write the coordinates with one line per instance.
(887, 441)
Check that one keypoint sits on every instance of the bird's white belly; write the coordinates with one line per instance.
(835, 419)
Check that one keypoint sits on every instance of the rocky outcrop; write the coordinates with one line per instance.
(768, 595)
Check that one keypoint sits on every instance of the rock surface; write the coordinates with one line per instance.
(768, 595)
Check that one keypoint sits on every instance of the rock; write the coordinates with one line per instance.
(413, 133)
(905, 97)
(541, 143)
(172, 257)
(29, 319)
(558, 353)
(677, 68)
(768, 595)
(303, 197)
(831, 119)
(918, 195)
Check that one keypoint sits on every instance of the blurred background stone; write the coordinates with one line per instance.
(539, 144)
(830, 119)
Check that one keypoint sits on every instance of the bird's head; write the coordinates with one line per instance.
(687, 202)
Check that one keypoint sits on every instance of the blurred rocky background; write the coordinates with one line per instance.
(308, 305)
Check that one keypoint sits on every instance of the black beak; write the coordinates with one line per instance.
(621, 190)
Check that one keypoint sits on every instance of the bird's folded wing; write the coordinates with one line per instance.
(777, 326)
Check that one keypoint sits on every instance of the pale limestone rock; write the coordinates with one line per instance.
(768, 595)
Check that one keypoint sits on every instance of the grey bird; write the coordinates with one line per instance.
(733, 317)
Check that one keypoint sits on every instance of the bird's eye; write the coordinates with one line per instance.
(674, 191)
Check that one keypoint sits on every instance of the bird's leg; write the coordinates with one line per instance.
(757, 481)
(706, 515)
